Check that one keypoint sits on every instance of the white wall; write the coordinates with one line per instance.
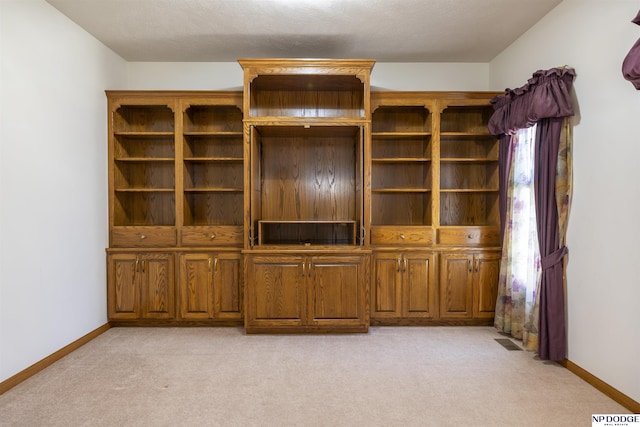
(430, 76)
(603, 282)
(385, 76)
(53, 181)
(184, 76)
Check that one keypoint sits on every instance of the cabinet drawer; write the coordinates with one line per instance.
(486, 236)
(401, 235)
(212, 236)
(143, 236)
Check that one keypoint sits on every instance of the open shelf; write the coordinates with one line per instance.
(469, 208)
(308, 173)
(402, 207)
(307, 96)
(398, 174)
(213, 164)
(401, 149)
(213, 145)
(212, 119)
(210, 173)
(143, 119)
(480, 147)
(144, 174)
(144, 208)
(468, 175)
(401, 121)
(465, 120)
(143, 165)
(307, 184)
(213, 207)
(307, 232)
(141, 146)
(401, 168)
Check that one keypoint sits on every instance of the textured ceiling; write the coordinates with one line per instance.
(384, 30)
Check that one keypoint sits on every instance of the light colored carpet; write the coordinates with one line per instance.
(392, 376)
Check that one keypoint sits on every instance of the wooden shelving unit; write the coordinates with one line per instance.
(176, 179)
(305, 203)
(434, 174)
(306, 126)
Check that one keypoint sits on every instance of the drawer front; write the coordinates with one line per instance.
(143, 236)
(485, 236)
(400, 235)
(212, 236)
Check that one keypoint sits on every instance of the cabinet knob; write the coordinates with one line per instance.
(213, 236)
(402, 236)
(142, 237)
(469, 236)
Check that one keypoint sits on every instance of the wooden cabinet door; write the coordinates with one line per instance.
(386, 291)
(196, 286)
(418, 283)
(336, 294)
(210, 286)
(140, 286)
(485, 284)
(123, 286)
(227, 286)
(157, 300)
(456, 296)
(275, 293)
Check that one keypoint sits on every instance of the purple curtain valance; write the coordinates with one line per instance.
(631, 63)
(546, 95)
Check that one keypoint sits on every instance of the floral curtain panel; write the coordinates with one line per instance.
(516, 311)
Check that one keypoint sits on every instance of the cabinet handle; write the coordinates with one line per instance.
(398, 264)
(304, 264)
(137, 268)
(405, 264)
(209, 264)
(143, 266)
(477, 265)
(215, 264)
(135, 271)
(213, 236)
(470, 266)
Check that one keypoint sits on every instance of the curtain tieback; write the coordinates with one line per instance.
(554, 258)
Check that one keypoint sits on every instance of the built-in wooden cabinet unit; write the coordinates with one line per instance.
(306, 192)
(176, 185)
(304, 203)
(434, 186)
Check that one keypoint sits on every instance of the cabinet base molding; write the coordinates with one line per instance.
(307, 330)
(603, 387)
(431, 322)
(21, 376)
(175, 323)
